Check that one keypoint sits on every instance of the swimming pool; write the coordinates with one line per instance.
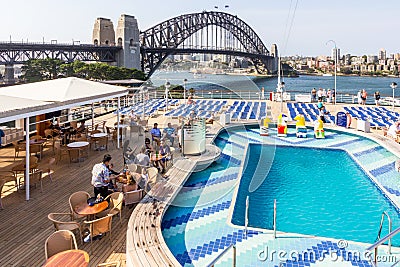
(197, 225)
(320, 192)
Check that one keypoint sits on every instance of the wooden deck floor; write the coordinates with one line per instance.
(24, 226)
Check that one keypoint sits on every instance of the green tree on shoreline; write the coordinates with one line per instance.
(47, 69)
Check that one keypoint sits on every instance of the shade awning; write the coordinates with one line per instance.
(21, 101)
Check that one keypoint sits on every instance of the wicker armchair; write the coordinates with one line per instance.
(17, 148)
(100, 226)
(59, 241)
(115, 205)
(66, 224)
(74, 200)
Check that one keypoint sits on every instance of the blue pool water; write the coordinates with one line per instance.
(320, 192)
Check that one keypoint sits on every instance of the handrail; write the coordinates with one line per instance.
(381, 241)
(384, 239)
(389, 228)
(211, 264)
(274, 218)
(246, 218)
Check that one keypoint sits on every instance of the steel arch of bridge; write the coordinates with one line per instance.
(163, 39)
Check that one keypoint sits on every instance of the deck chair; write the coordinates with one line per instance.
(35, 177)
(47, 165)
(109, 264)
(133, 197)
(76, 199)
(152, 180)
(63, 224)
(2, 183)
(17, 148)
(99, 226)
(115, 205)
(59, 241)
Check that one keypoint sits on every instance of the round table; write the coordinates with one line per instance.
(122, 126)
(153, 157)
(98, 135)
(85, 209)
(78, 144)
(36, 141)
(72, 258)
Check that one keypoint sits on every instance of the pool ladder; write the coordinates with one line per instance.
(380, 241)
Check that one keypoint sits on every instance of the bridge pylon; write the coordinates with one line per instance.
(127, 36)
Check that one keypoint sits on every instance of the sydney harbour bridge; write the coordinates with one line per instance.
(207, 32)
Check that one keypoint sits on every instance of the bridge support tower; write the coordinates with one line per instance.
(127, 36)
(9, 74)
(103, 32)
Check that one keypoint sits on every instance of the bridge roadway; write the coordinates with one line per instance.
(18, 53)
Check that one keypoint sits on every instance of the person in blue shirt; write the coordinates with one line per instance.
(169, 133)
(156, 134)
(1, 135)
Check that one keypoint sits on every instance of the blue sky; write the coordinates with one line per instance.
(358, 27)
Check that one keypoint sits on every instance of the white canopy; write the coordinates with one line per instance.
(47, 96)
(10, 105)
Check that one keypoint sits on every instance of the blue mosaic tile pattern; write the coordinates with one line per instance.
(195, 215)
(199, 234)
(214, 181)
(231, 159)
(383, 169)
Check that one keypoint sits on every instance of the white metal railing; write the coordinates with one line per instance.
(389, 229)
(211, 264)
(246, 218)
(380, 242)
(274, 218)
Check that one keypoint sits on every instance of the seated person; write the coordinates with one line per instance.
(169, 133)
(165, 151)
(81, 128)
(192, 115)
(148, 146)
(128, 153)
(320, 105)
(111, 186)
(142, 158)
(210, 120)
(156, 134)
(394, 129)
(190, 101)
(56, 129)
(138, 181)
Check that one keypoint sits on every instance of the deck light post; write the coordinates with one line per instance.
(167, 86)
(281, 85)
(184, 90)
(144, 91)
(393, 85)
(336, 60)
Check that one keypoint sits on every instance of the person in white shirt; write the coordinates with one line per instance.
(101, 177)
(320, 94)
(142, 158)
(394, 130)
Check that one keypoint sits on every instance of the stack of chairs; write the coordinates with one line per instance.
(248, 110)
(377, 116)
(308, 110)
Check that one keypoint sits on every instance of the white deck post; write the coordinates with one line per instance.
(27, 168)
(92, 116)
(119, 106)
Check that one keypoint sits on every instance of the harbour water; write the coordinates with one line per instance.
(302, 84)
